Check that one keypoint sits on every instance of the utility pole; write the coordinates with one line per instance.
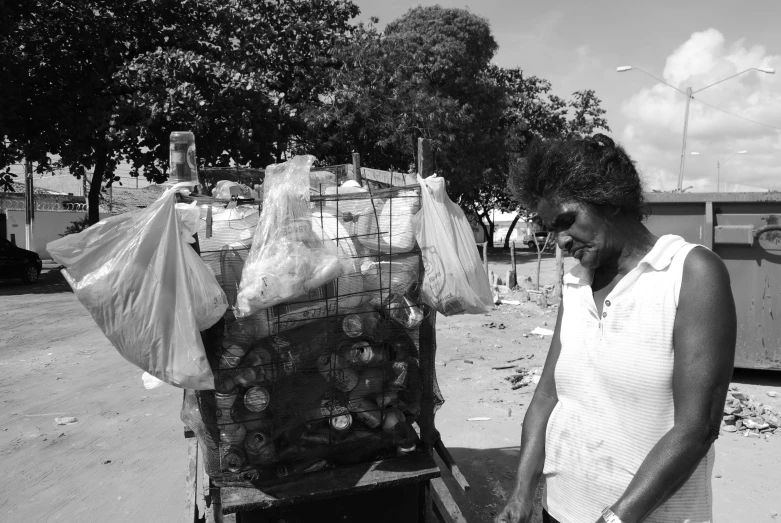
(29, 206)
(718, 176)
(685, 129)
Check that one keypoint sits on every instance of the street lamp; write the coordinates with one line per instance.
(718, 167)
(689, 95)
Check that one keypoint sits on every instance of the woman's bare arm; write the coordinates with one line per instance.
(704, 343)
(535, 423)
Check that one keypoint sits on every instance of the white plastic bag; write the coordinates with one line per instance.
(189, 217)
(150, 382)
(147, 290)
(454, 280)
(387, 226)
(290, 256)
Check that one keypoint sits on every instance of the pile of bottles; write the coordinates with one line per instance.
(340, 390)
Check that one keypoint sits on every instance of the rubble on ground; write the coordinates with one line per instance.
(746, 416)
(524, 377)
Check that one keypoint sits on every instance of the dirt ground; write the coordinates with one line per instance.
(125, 458)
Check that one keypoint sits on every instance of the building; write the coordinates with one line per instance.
(53, 213)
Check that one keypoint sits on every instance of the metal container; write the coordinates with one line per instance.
(745, 230)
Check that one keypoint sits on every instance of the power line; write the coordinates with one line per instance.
(737, 115)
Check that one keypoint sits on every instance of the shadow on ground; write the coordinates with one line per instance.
(764, 378)
(49, 282)
(491, 476)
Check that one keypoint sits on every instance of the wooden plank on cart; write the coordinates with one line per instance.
(450, 463)
(347, 480)
(355, 175)
(388, 178)
(444, 505)
(191, 483)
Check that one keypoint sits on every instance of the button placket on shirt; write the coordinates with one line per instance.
(602, 319)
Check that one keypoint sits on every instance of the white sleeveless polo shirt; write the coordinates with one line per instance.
(614, 384)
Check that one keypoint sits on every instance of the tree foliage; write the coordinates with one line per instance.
(424, 76)
(99, 82)
(534, 112)
(429, 75)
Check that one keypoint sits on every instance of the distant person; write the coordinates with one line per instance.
(622, 424)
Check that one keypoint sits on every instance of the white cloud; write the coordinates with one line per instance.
(654, 135)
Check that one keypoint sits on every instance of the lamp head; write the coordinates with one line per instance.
(768, 70)
(742, 152)
(695, 153)
(623, 68)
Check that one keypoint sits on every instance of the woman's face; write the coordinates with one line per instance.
(582, 231)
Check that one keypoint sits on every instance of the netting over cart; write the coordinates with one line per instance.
(332, 374)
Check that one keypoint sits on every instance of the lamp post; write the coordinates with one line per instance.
(719, 163)
(718, 169)
(689, 95)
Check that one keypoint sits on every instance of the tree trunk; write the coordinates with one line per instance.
(482, 224)
(490, 231)
(510, 232)
(93, 198)
(539, 254)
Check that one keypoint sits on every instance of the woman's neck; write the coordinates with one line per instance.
(636, 241)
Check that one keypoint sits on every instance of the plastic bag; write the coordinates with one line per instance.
(340, 296)
(147, 290)
(150, 382)
(387, 227)
(189, 217)
(290, 254)
(454, 280)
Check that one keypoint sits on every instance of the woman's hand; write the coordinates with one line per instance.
(517, 510)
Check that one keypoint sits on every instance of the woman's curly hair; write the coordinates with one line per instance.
(592, 170)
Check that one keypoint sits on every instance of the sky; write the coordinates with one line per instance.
(578, 45)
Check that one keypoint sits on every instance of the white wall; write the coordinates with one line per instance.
(47, 227)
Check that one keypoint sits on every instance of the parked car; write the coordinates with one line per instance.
(16, 262)
(539, 237)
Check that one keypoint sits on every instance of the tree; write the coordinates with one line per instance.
(534, 113)
(425, 76)
(58, 60)
(86, 84)
(76, 226)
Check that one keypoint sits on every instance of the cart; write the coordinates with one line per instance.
(415, 481)
(352, 492)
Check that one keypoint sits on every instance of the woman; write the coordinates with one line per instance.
(630, 400)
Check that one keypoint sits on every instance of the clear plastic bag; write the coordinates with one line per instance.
(147, 290)
(290, 255)
(454, 280)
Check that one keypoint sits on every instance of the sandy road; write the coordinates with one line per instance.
(125, 459)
